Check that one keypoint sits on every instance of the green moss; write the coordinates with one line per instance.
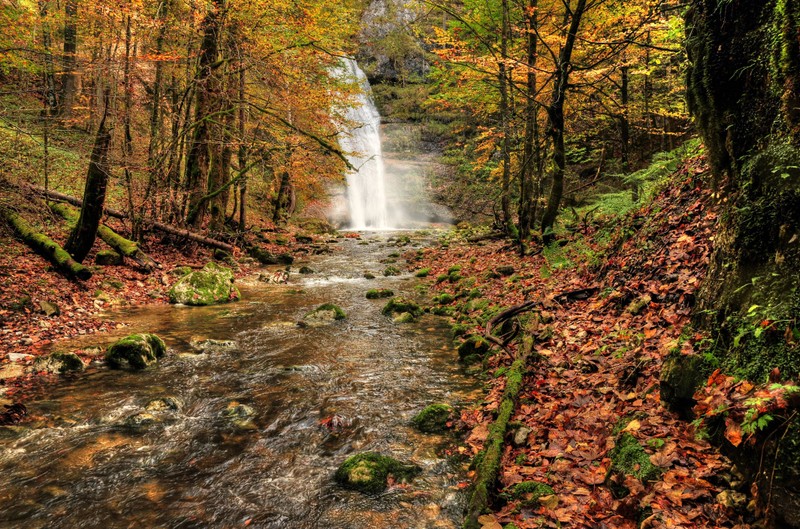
(400, 305)
(108, 258)
(433, 419)
(444, 299)
(136, 351)
(629, 458)
(473, 346)
(391, 271)
(379, 293)
(528, 492)
(423, 273)
(213, 284)
(369, 472)
(442, 278)
(59, 362)
(324, 314)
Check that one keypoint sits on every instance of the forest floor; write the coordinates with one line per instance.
(589, 424)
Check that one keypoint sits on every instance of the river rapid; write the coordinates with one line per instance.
(79, 466)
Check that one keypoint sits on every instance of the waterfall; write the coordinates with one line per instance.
(366, 186)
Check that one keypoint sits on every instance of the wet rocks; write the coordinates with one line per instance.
(323, 315)
(140, 421)
(164, 404)
(212, 346)
(433, 419)
(136, 351)
(240, 416)
(379, 293)
(403, 310)
(59, 363)
(211, 285)
(369, 472)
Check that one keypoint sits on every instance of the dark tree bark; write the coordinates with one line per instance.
(69, 86)
(531, 161)
(555, 123)
(198, 160)
(82, 238)
(505, 119)
(50, 95)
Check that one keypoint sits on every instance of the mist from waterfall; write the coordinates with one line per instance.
(366, 186)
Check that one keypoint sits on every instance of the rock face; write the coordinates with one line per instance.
(369, 472)
(59, 363)
(211, 285)
(324, 315)
(681, 375)
(136, 351)
(433, 419)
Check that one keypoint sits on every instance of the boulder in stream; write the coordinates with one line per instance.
(378, 293)
(402, 309)
(211, 285)
(240, 416)
(136, 351)
(140, 421)
(212, 346)
(164, 404)
(369, 472)
(59, 363)
(433, 419)
(323, 315)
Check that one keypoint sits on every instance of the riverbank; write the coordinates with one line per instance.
(40, 307)
(590, 442)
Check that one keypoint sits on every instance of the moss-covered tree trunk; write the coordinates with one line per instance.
(82, 237)
(743, 91)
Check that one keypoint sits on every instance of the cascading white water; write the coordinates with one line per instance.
(366, 186)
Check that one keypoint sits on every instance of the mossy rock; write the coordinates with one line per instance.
(629, 458)
(136, 351)
(324, 315)
(108, 258)
(681, 376)
(391, 271)
(140, 421)
(444, 299)
(381, 293)
(528, 493)
(368, 275)
(423, 273)
(473, 348)
(164, 404)
(240, 416)
(505, 270)
(369, 472)
(209, 286)
(59, 363)
(433, 419)
(306, 270)
(399, 306)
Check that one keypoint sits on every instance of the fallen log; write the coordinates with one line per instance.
(45, 246)
(123, 246)
(489, 464)
(502, 317)
(160, 226)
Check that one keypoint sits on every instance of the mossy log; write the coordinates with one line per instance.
(123, 246)
(45, 246)
(489, 465)
(160, 226)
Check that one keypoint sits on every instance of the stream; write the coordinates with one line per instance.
(78, 465)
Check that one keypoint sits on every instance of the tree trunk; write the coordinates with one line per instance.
(243, 151)
(555, 125)
(531, 152)
(50, 97)
(120, 244)
(45, 246)
(69, 86)
(505, 118)
(198, 160)
(82, 238)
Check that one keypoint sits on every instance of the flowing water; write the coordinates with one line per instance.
(79, 466)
